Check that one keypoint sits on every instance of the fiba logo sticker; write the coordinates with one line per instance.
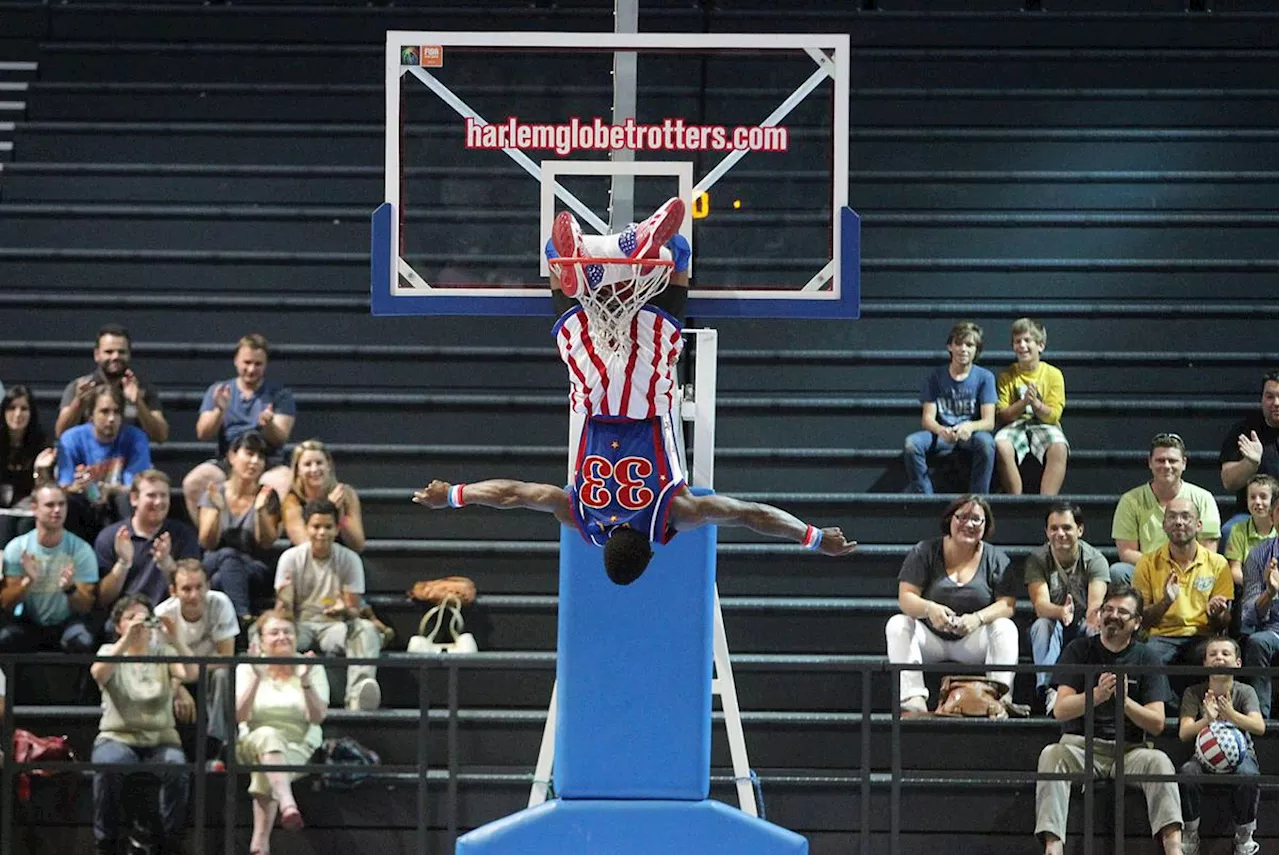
(427, 56)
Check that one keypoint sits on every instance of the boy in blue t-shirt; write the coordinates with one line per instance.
(957, 411)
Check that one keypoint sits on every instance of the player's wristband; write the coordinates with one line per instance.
(812, 537)
(455, 496)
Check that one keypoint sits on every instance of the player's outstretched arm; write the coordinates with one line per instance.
(501, 493)
(689, 511)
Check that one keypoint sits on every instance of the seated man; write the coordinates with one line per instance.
(206, 622)
(111, 355)
(1138, 524)
(137, 555)
(1142, 696)
(1066, 579)
(1260, 613)
(1221, 699)
(957, 411)
(1249, 449)
(49, 580)
(319, 583)
(1187, 585)
(97, 463)
(247, 403)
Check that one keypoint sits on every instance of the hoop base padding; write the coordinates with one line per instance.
(633, 673)
(591, 827)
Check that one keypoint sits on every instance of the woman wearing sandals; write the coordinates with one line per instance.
(279, 708)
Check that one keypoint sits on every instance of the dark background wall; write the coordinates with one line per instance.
(200, 171)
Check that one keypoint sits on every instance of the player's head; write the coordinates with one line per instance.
(626, 555)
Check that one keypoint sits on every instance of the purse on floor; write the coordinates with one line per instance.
(459, 641)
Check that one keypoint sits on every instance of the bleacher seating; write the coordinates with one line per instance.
(200, 171)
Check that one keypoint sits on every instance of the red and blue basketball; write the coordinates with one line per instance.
(1219, 746)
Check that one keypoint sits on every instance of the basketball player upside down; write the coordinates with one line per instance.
(628, 488)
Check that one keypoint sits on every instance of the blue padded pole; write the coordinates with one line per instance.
(633, 673)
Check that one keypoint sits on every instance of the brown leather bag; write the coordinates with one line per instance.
(978, 697)
(436, 591)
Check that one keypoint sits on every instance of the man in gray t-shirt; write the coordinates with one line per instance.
(1067, 580)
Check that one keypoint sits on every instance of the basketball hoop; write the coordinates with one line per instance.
(626, 285)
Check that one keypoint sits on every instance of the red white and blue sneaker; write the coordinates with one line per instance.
(645, 240)
(566, 239)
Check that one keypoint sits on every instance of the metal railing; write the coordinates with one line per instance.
(865, 776)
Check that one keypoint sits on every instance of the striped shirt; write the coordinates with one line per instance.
(640, 384)
(1255, 582)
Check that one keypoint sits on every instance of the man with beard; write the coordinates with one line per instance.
(1188, 586)
(142, 405)
(1066, 579)
(97, 463)
(1142, 698)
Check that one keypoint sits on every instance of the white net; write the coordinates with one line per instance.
(611, 305)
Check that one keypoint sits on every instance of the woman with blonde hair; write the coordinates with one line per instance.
(314, 477)
(279, 709)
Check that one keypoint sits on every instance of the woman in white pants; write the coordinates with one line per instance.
(956, 593)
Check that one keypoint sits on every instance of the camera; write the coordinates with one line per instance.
(151, 622)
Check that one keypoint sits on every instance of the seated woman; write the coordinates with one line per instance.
(279, 708)
(314, 477)
(25, 452)
(137, 719)
(239, 520)
(956, 594)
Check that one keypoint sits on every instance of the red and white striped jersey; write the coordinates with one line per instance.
(640, 385)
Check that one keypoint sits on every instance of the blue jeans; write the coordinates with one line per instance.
(1244, 796)
(1260, 650)
(922, 443)
(24, 636)
(239, 575)
(1047, 639)
(107, 787)
(1122, 573)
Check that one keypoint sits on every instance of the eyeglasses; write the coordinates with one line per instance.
(1123, 614)
(969, 519)
(1165, 439)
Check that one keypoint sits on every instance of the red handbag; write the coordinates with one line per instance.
(29, 748)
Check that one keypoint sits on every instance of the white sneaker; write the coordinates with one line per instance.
(1050, 700)
(366, 696)
(1247, 847)
(642, 240)
(914, 704)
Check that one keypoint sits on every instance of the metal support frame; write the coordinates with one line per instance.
(622, 190)
(697, 406)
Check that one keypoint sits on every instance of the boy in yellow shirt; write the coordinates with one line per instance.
(1030, 397)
